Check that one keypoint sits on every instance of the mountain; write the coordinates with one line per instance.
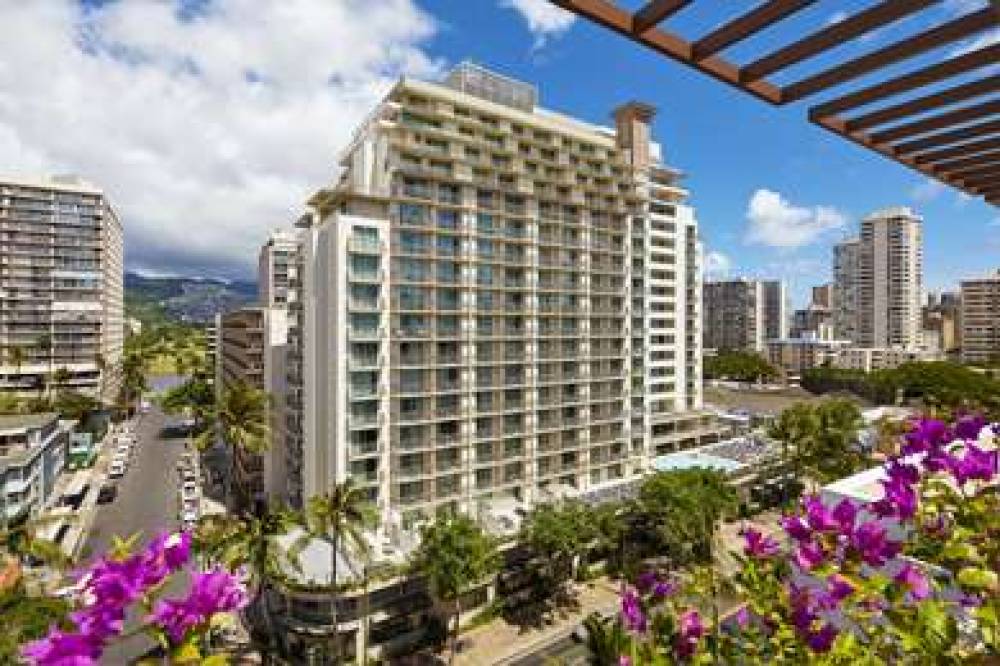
(187, 299)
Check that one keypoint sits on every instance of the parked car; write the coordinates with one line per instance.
(117, 469)
(107, 493)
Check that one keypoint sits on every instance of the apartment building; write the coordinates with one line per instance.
(275, 270)
(793, 355)
(33, 450)
(742, 314)
(61, 287)
(890, 279)
(868, 359)
(496, 301)
(980, 307)
(822, 296)
(846, 290)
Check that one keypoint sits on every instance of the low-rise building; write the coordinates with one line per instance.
(32, 455)
(868, 359)
(793, 355)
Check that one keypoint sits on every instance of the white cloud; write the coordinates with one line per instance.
(716, 265)
(837, 17)
(208, 130)
(928, 190)
(774, 221)
(544, 18)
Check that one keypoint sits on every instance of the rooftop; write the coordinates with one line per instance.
(18, 422)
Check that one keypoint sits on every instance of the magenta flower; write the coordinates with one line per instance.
(742, 617)
(838, 588)
(62, 649)
(664, 588)
(631, 612)
(809, 555)
(873, 545)
(821, 640)
(899, 499)
(796, 528)
(646, 580)
(212, 592)
(926, 434)
(977, 464)
(818, 516)
(624, 660)
(844, 514)
(691, 629)
(969, 427)
(758, 545)
(915, 581)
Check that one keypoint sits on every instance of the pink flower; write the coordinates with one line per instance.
(211, 592)
(796, 528)
(872, 544)
(758, 545)
(818, 516)
(62, 649)
(915, 580)
(690, 631)
(631, 612)
(809, 555)
(844, 514)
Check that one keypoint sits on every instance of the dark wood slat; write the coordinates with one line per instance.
(942, 121)
(964, 163)
(950, 32)
(964, 150)
(922, 77)
(978, 171)
(748, 24)
(832, 35)
(656, 11)
(945, 138)
(614, 17)
(925, 103)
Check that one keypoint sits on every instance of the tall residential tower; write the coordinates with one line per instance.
(499, 303)
(744, 314)
(61, 287)
(890, 279)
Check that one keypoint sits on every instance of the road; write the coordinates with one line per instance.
(146, 503)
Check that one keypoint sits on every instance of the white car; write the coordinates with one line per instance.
(117, 469)
(123, 451)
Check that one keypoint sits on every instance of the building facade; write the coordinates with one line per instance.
(868, 359)
(61, 287)
(742, 314)
(33, 451)
(980, 307)
(793, 355)
(846, 290)
(496, 301)
(890, 279)
(275, 268)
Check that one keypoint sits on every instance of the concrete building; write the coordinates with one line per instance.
(814, 321)
(32, 455)
(743, 314)
(980, 340)
(274, 270)
(822, 296)
(793, 355)
(890, 279)
(61, 287)
(846, 289)
(498, 303)
(868, 359)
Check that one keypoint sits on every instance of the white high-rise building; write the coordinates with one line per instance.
(497, 303)
(890, 279)
(274, 267)
(61, 287)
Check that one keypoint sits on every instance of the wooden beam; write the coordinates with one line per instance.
(977, 171)
(654, 12)
(614, 17)
(966, 162)
(950, 32)
(941, 121)
(832, 35)
(763, 16)
(922, 77)
(944, 138)
(926, 103)
(964, 150)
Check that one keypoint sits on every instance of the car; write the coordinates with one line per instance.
(117, 469)
(123, 451)
(189, 515)
(107, 493)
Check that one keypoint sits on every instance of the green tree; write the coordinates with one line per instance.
(455, 555)
(341, 516)
(61, 378)
(821, 439)
(606, 640)
(797, 428)
(43, 347)
(16, 356)
(557, 535)
(243, 419)
(27, 618)
(738, 366)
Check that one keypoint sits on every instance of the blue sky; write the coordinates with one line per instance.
(209, 122)
(729, 144)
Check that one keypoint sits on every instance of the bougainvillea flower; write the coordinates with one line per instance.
(809, 555)
(758, 545)
(821, 640)
(844, 514)
(631, 612)
(925, 435)
(915, 580)
(690, 631)
(819, 517)
(664, 588)
(212, 592)
(60, 648)
(899, 499)
(977, 464)
(796, 528)
(969, 427)
(873, 545)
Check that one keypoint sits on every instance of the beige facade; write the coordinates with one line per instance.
(275, 269)
(61, 287)
(496, 302)
(980, 306)
(793, 355)
(868, 359)
(846, 289)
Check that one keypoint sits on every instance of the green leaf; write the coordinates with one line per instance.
(981, 579)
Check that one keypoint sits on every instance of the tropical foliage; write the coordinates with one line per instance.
(27, 618)
(821, 439)
(738, 366)
(455, 555)
(909, 578)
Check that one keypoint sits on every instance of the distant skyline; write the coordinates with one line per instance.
(209, 122)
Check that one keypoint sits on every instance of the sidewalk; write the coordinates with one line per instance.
(499, 642)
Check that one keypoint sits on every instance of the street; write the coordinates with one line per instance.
(146, 503)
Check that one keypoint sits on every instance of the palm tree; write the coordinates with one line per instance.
(797, 429)
(454, 555)
(22, 541)
(16, 357)
(606, 640)
(43, 345)
(243, 417)
(341, 515)
(61, 377)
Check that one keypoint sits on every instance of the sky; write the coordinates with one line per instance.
(209, 122)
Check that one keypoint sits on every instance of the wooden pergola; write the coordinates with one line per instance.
(949, 132)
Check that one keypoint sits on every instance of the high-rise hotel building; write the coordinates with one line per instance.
(61, 287)
(743, 314)
(498, 302)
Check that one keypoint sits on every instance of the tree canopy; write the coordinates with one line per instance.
(738, 366)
